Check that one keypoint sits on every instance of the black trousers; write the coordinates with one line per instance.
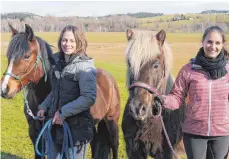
(196, 146)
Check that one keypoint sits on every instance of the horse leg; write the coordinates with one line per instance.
(112, 127)
(102, 142)
(93, 143)
(34, 129)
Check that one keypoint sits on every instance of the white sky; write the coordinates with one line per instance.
(100, 8)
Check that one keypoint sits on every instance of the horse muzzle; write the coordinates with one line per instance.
(5, 93)
(140, 113)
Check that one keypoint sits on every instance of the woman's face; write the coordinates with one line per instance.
(212, 44)
(68, 43)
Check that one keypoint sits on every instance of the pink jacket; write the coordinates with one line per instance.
(207, 110)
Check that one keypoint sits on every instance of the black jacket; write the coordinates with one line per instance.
(73, 92)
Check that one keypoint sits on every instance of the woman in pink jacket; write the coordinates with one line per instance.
(205, 82)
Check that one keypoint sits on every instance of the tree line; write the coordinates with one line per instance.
(112, 23)
(49, 23)
(108, 23)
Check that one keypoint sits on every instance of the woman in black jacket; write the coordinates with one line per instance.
(73, 92)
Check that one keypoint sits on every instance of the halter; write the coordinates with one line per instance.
(19, 78)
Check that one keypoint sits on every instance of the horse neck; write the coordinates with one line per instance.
(38, 92)
(169, 84)
(43, 87)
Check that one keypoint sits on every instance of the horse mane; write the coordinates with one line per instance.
(47, 55)
(46, 50)
(226, 51)
(143, 48)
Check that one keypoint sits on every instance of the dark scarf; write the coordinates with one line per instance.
(215, 67)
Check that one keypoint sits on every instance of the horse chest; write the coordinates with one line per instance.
(150, 133)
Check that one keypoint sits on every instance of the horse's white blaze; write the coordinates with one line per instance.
(7, 77)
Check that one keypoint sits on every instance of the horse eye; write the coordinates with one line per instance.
(26, 57)
(156, 66)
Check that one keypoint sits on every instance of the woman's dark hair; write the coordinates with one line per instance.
(221, 32)
(214, 29)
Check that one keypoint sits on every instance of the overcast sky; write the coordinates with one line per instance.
(101, 8)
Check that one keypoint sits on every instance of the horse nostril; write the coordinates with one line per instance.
(143, 108)
(4, 92)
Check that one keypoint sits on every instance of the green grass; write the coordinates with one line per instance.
(108, 54)
(15, 141)
(108, 51)
(14, 138)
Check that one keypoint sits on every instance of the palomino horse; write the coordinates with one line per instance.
(148, 74)
(30, 62)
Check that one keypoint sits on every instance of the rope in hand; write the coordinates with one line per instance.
(67, 135)
(159, 106)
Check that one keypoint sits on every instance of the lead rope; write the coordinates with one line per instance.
(162, 122)
(67, 135)
(165, 132)
(42, 60)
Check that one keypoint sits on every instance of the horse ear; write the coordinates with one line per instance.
(14, 31)
(129, 34)
(29, 32)
(161, 37)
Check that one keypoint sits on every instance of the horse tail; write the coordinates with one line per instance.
(102, 148)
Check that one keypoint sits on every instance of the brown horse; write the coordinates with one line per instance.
(148, 74)
(30, 62)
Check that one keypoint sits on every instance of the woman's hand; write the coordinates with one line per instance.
(158, 104)
(160, 99)
(57, 118)
(40, 114)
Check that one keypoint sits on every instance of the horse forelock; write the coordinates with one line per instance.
(17, 46)
(20, 45)
(143, 48)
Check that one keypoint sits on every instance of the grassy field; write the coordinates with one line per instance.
(108, 51)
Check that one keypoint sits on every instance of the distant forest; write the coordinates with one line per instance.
(117, 22)
(24, 15)
(214, 11)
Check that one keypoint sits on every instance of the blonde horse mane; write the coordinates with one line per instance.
(143, 47)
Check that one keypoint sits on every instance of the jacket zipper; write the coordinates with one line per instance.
(210, 107)
(227, 106)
